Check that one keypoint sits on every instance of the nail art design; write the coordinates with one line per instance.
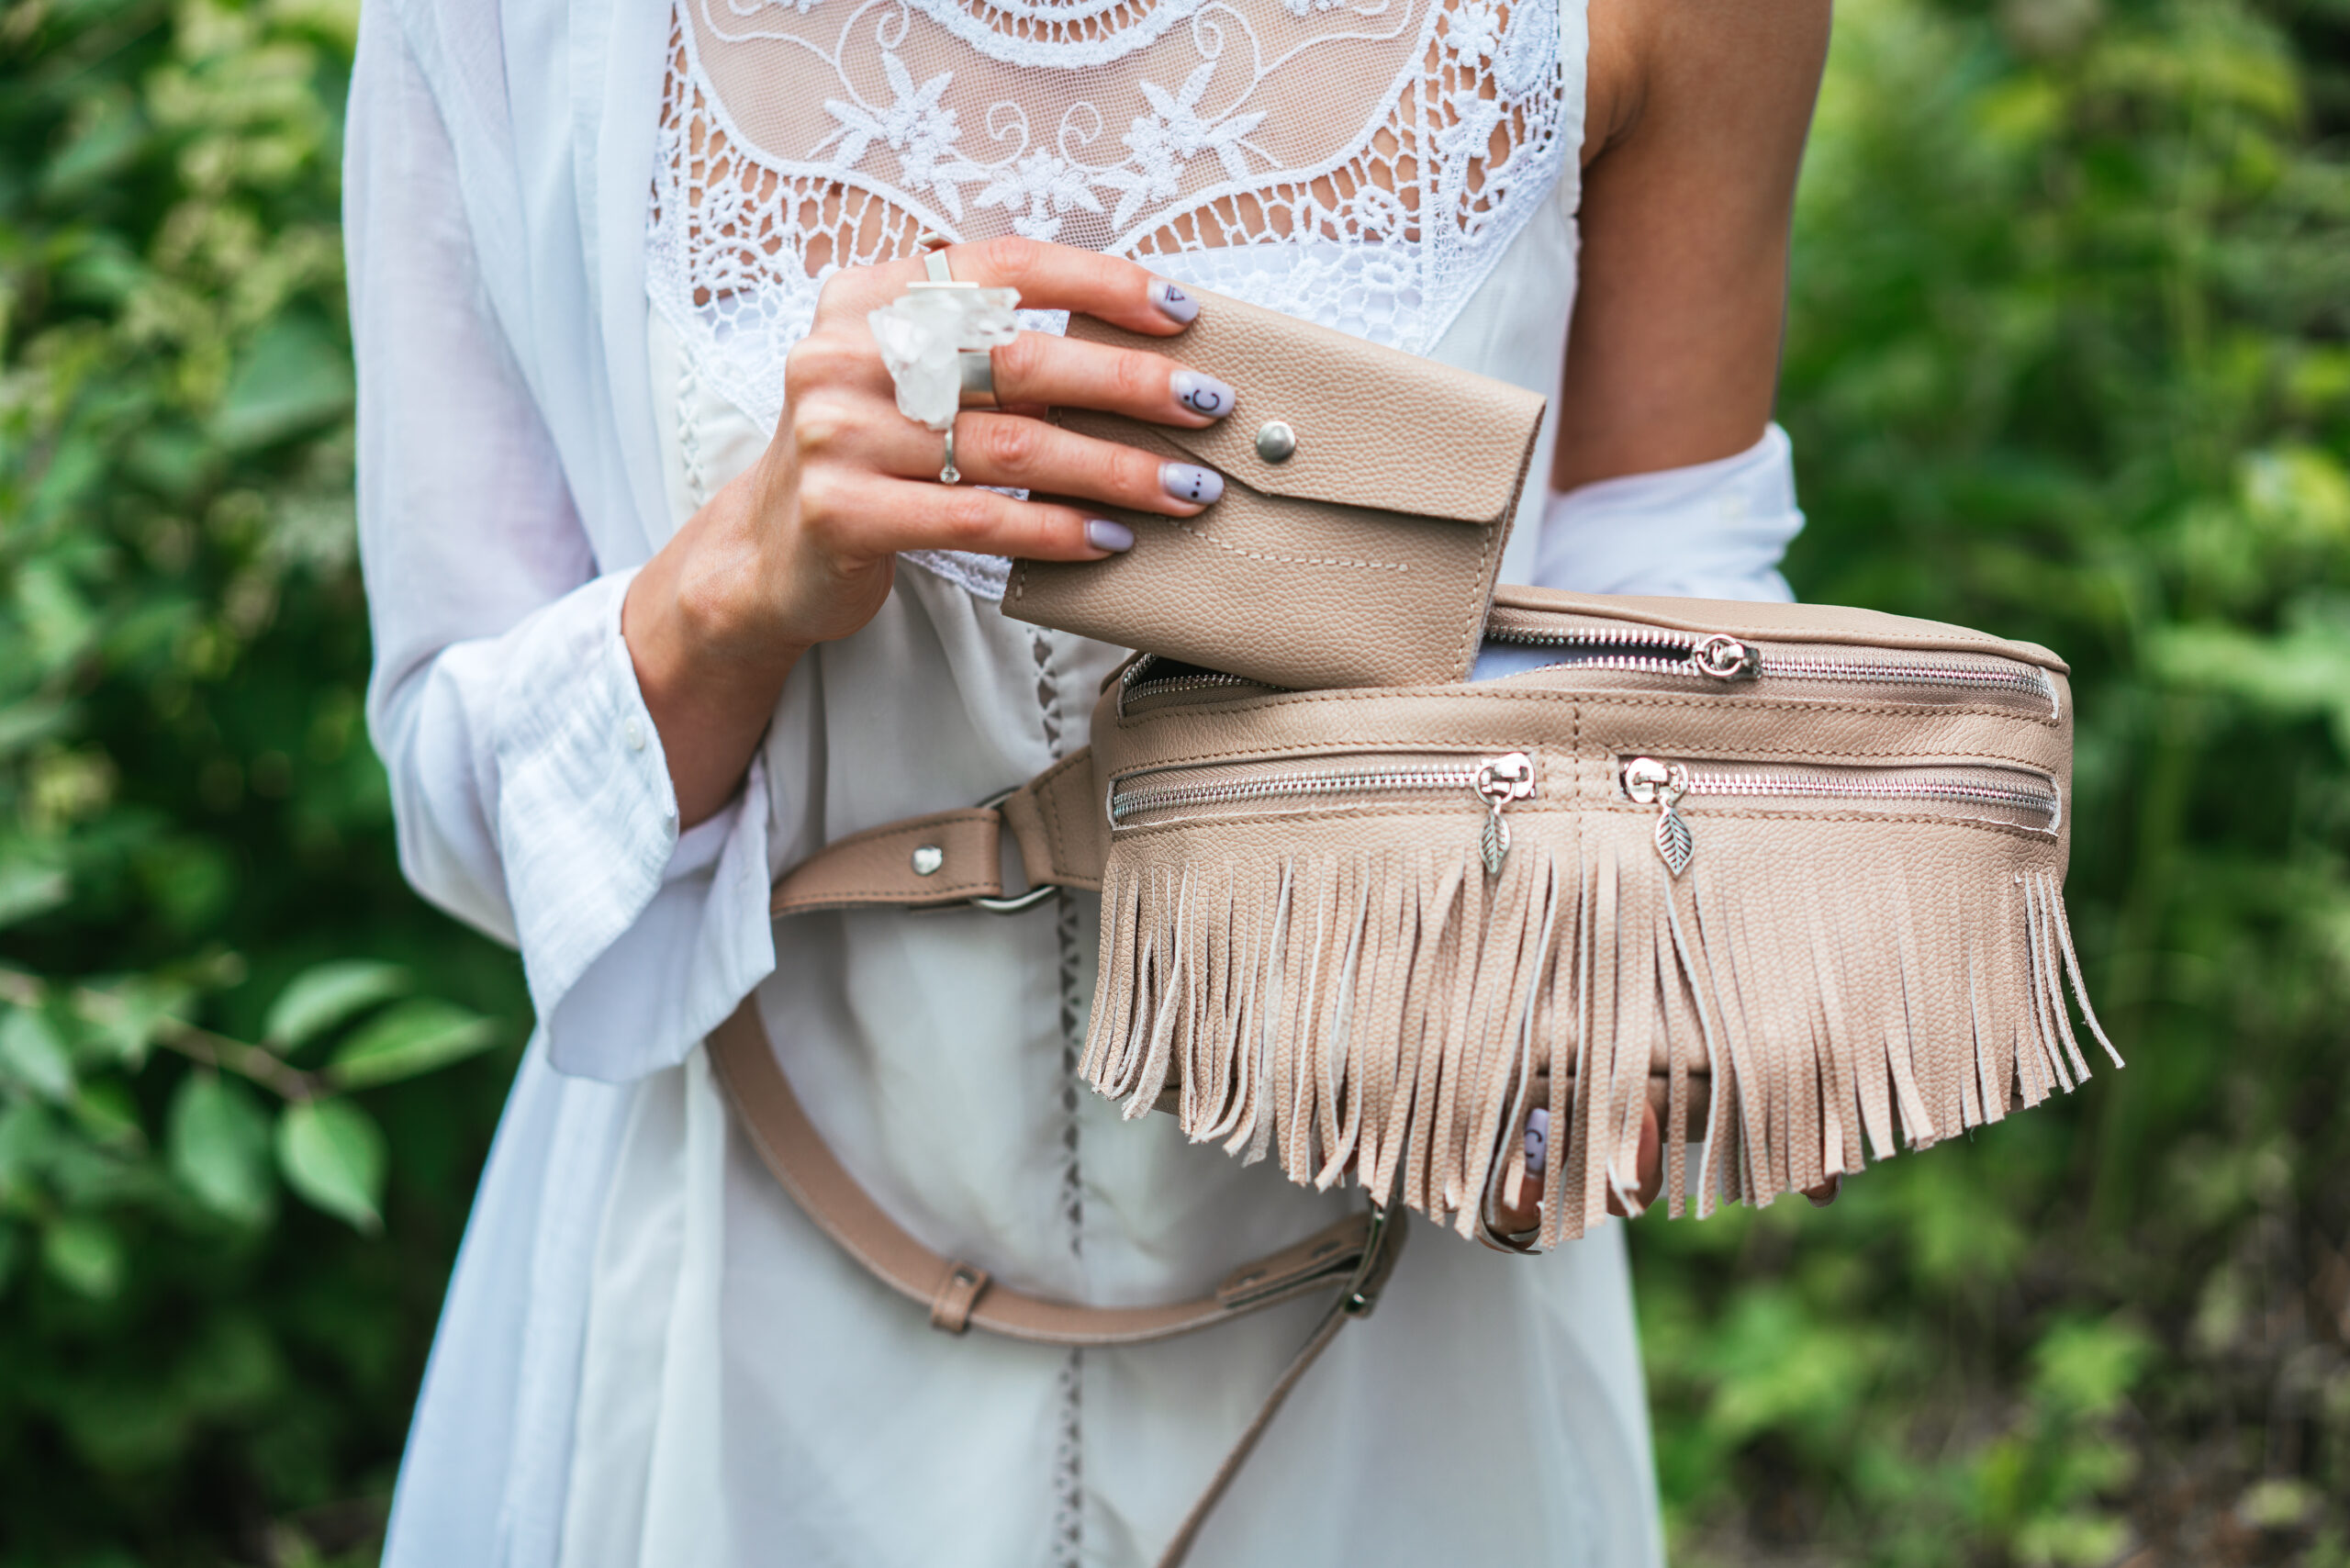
(1172, 302)
(1114, 537)
(1201, 393)
(1187, 482)
(1537, 1140)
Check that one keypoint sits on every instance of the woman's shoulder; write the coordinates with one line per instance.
(1712, 73)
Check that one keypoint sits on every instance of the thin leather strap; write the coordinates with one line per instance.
(1354, 1258)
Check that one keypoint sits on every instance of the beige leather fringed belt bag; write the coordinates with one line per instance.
(1791, 875)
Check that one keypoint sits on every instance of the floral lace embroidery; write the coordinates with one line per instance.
(1360, 163)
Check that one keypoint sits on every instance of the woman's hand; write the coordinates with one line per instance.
(1520, 1208)
(800, 549)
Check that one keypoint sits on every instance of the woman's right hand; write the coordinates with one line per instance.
(800, 549)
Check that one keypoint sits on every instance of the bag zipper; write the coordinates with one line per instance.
(2016, 796)
(1494, 782)
(1137, 685)
(1650, 650)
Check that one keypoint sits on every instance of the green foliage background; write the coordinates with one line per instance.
(2068, 360)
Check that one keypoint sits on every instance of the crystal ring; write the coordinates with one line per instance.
(930, 338)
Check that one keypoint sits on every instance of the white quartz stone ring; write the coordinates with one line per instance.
(930, 336)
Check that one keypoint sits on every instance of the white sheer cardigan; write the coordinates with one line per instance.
(499, 159)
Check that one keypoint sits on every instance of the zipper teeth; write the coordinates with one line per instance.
(1808, 666)
(1272, 786)
(2024, 678)
(1913, 786)
(1652, 636)
(1164, 684)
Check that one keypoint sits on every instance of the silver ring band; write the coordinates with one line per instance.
(948, 474)
(977, 368)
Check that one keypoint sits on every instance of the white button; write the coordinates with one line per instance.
(633, 733)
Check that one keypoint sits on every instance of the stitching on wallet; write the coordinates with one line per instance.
(1279, 560)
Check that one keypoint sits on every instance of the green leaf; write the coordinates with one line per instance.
(332, 1155)
(28, 1142)
(412, 1038)
(296, 374)
(123, 1019)
(32, 1055)
(108, 1115)
(28, 888)
(219, 1148)
(325, 994)
(84, 1255)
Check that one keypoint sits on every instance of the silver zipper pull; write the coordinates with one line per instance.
(1726, 658)
(1662, 784)
(1499, 781)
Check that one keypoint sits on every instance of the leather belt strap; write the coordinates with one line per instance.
(1352, 1258)
(954, 858)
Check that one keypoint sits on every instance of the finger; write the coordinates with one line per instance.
(1825, 1194)
(861, 516)
(1039, 368)
(1022, 453)
(1647, 1165)
(1048, 277)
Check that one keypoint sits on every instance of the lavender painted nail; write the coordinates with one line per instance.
(1537, 1140)
(1201, 393)
(1186, 482)
(1104, 534)
(1172, 302)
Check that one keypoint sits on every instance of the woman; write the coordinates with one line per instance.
(666, 595)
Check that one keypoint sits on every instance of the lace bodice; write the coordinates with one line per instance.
(1361, 162)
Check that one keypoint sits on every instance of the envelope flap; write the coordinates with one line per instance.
(1374, 427)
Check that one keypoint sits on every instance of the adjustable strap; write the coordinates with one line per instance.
(957, 857)
(1352, 1258)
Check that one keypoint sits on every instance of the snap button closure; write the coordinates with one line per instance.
(928, 858)
(1275, 441)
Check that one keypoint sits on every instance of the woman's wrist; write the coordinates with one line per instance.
(710, 653)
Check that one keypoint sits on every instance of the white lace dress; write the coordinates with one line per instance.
(649, 1357)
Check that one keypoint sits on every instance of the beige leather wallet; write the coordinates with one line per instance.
(1368, 494)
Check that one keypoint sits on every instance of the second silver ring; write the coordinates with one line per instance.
(977, 367)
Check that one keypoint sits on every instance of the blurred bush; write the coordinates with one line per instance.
(2068, 361)
(209, 971)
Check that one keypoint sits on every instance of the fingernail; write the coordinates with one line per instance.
(1835, 1186)
(1104, 534)
(1201, 393)
(1172, 302)
(1187, 482)
(1537, 1141)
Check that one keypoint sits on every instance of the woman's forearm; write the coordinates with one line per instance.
(710, 677)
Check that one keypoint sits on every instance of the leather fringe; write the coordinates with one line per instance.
(1388, 1016)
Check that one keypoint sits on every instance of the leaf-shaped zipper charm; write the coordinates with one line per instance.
(1650, 782)
(1675, 843)
(1498, 781)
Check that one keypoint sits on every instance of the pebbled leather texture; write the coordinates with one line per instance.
(1368, 558)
